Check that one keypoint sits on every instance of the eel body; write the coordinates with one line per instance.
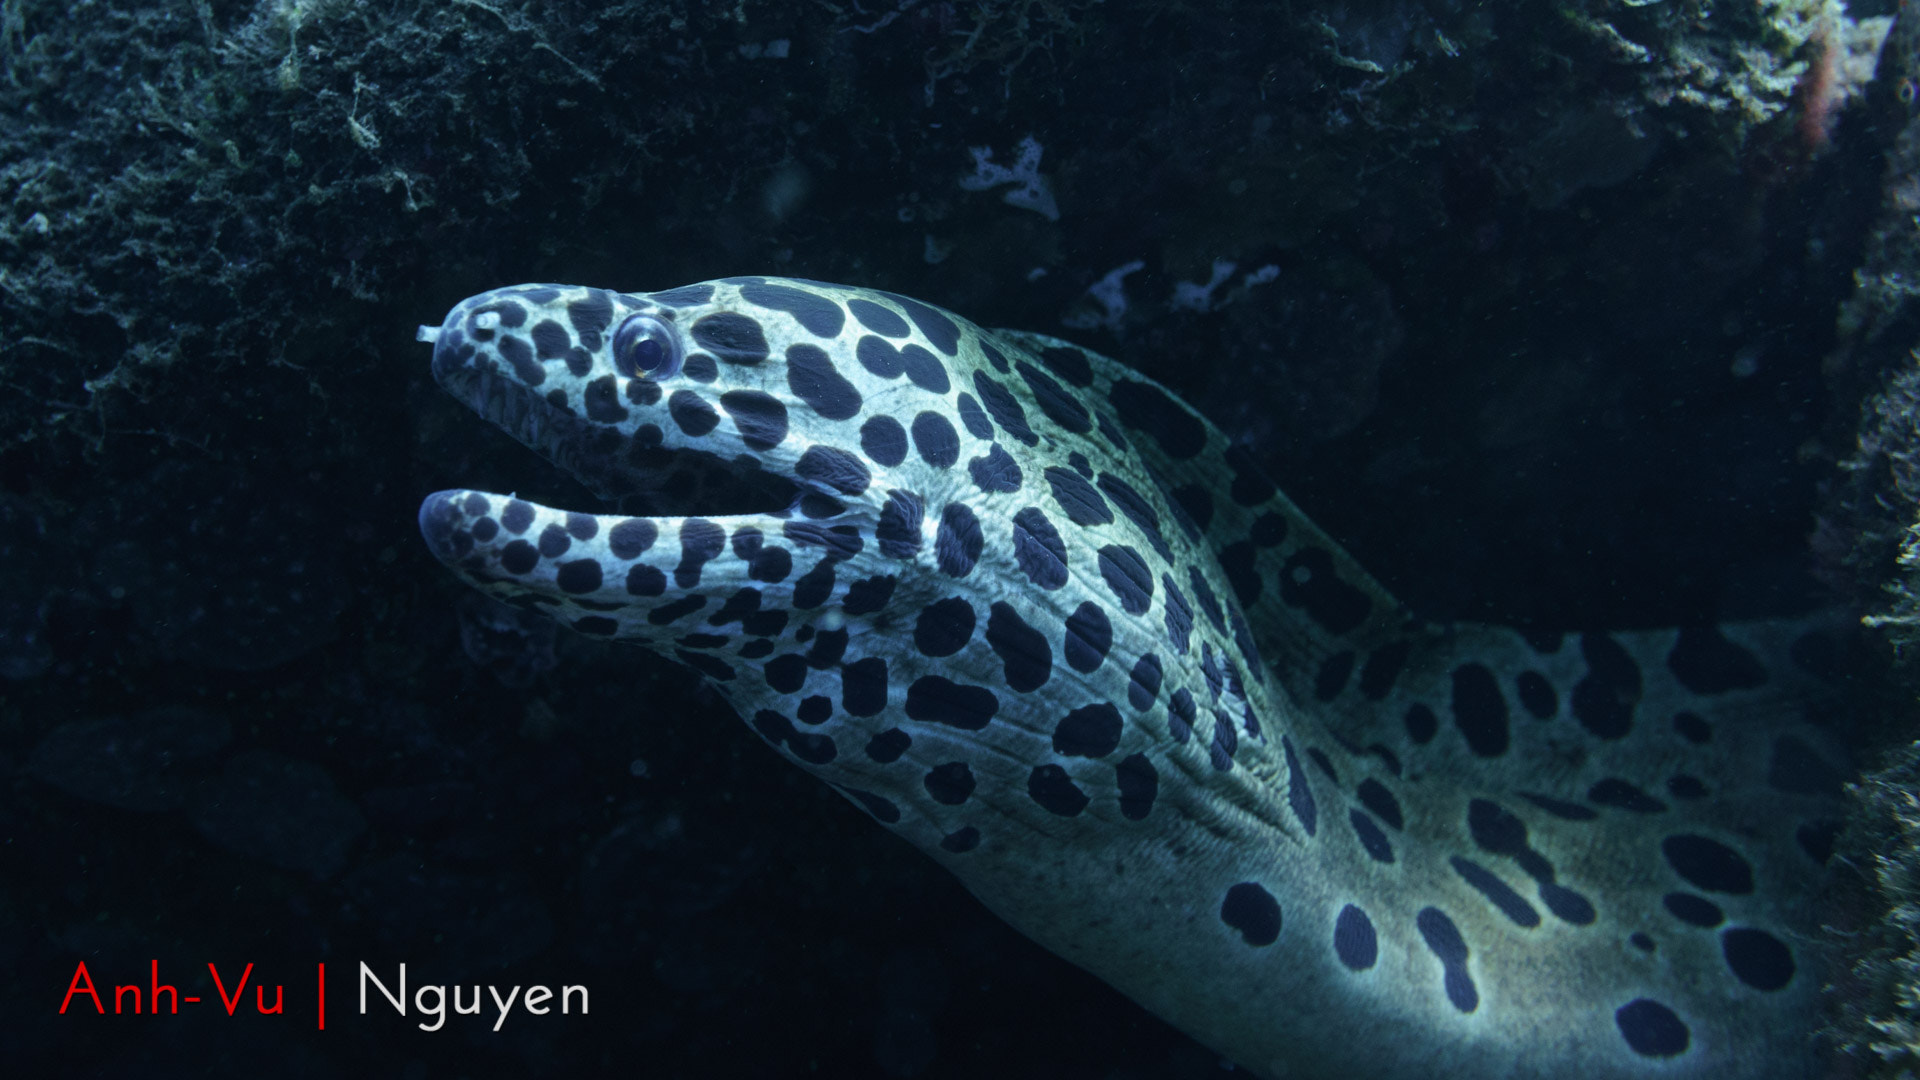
(1042, 620)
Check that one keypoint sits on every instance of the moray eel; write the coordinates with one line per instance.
(1035, 615)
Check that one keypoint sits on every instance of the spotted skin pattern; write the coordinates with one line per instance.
(1042, 620)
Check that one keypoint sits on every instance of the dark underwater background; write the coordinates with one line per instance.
(1556, 315)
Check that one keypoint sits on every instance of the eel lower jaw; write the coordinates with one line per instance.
(608, 574)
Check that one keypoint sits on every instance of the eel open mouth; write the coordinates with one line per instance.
(678, 525)
(632, 473)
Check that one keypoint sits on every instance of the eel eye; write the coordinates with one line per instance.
(644, 347)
